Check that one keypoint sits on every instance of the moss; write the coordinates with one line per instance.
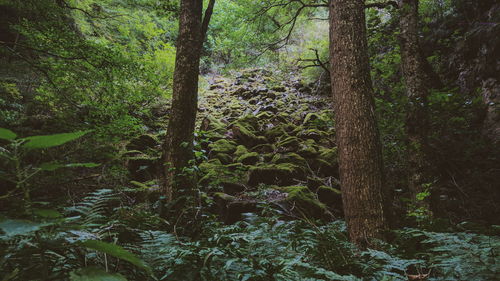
(292, 158)
(275, 133)
(223, 196)
(224, 158)
(328, 154)
(308, 149)
(240, 150)
(246, 134)
(305, 201)
(313, 134)
(264, 115)
(288, 144)
(212, 125)
(264, 148)
(249, 158)
(279, 174)
(223, 146)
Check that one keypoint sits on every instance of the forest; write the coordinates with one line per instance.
(249, 140)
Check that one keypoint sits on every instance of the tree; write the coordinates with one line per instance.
(178, 147)
(416, 114)
(357, 136)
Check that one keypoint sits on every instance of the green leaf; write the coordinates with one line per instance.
(52, 140)
(18, 227)
(47, 213)
(116, 251)
(95, 274)
(7, 134)
(52, 166)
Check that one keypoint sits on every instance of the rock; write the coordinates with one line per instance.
(271, 95)
(224, 158)
(249, 158)
(143, 142)
(230, 208)
(245, 135)
(314, 182)
(303, 202)
(222, 146)
(313, 134)
(292, 158)
(241, 91)
(288, 144)
(232, 188)
(279, 89)
(330, 196)
(274, 133)
(308, 149)
(143, 167)
(278, 174)
(240, 150)
(264, 148)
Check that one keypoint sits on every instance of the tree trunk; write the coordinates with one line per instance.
(178, 148)
(360, 155)
(416, 89)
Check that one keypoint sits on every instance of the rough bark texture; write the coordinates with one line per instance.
(357, 137)
(417, 92)
(178, 148)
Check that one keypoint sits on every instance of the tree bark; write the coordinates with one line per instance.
(417, 123)
(178, 147)
(360, 155)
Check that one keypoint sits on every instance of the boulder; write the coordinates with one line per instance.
(231, 208)
(331, 197)
(302, 202)
(249, 158)
(232, 188)
(277, 174)
(222, 146)
(143, 143)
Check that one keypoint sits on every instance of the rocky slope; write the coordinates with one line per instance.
(262, 143)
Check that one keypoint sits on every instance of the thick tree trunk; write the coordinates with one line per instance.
(178, 148)
(361, 171)
(416, 115)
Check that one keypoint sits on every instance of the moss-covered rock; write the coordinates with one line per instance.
(230, 208)
(304, 203)
(224, 158)
(249, 158)
(318, 120)
(278, 174)
(308, 149)
(211, 124)
(330, 196)
(143, 143)
(246, 134)
(274, 133)
(292, 158)
(288, 144)
(143, 167)
(240, 150)
(313, 134)
(222, 146)
(264, 148)
(232, 188)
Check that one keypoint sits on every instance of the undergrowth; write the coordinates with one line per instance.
(95, 238)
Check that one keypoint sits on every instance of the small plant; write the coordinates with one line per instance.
(18, 173)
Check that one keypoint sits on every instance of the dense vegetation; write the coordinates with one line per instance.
(88, 103)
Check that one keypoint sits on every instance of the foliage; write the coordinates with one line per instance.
(17, 172)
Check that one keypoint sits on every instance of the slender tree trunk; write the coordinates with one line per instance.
(416, 89)
(360, 155)
(178, 148)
